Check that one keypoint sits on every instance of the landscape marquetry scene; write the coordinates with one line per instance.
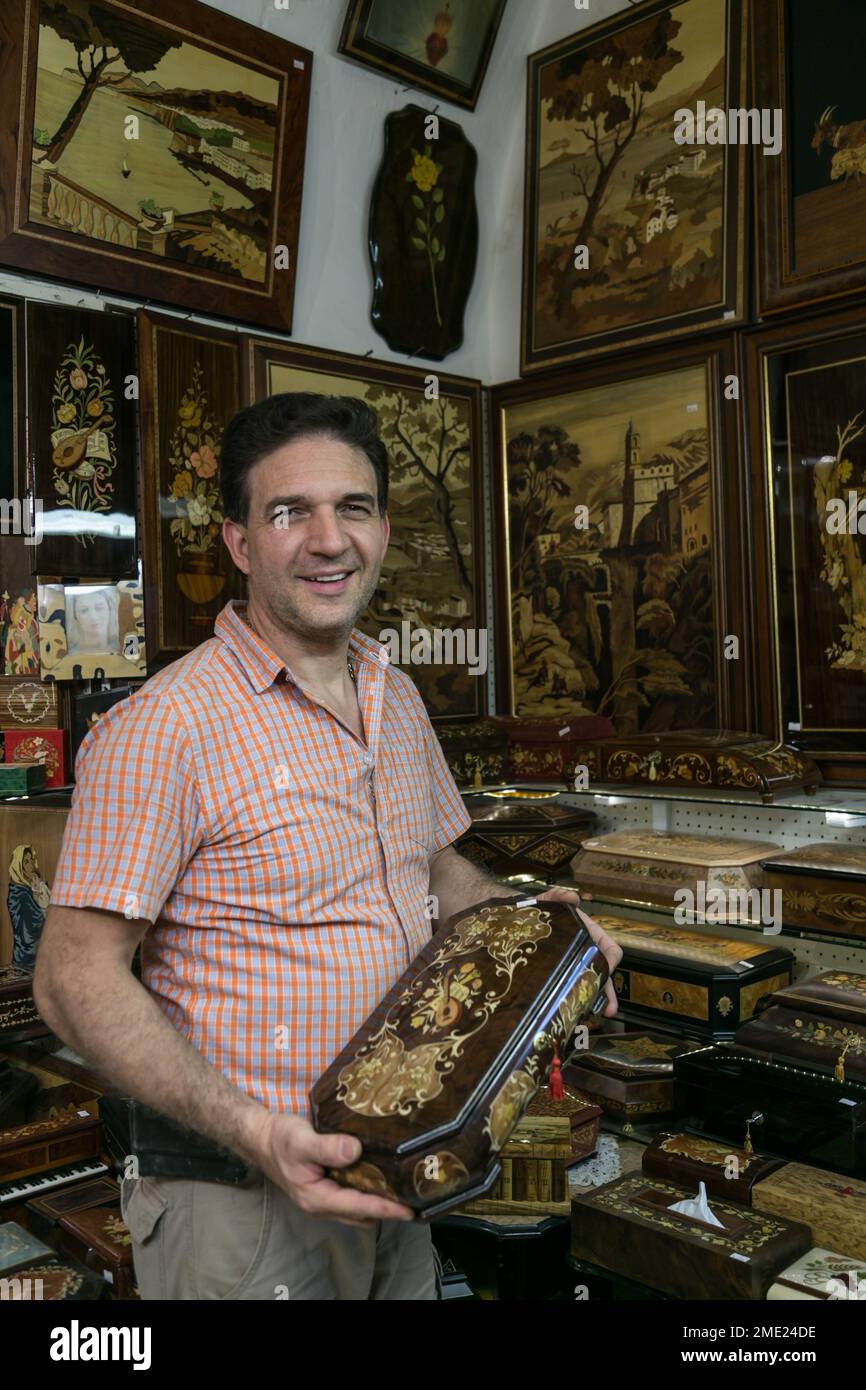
(610, 536)
(428, 575)
(147, 143)
(610, 177)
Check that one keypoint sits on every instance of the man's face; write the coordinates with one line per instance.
(314, 541)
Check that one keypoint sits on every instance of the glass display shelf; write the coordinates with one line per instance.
(848, 804)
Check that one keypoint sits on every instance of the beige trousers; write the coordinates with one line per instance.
(202, 1240)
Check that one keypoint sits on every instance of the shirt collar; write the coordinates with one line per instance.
(261, 664)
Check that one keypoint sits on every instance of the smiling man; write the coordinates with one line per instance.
(267, 817)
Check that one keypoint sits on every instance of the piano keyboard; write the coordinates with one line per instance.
(22, 1189)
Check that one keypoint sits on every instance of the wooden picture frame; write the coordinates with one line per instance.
(91, 631)
(811, 201)
(806, 390)
(394, 37)
(105, 182)
(190, 389)
(635, 630)
(434, 568)
(81, 423)
(629, 238)
(13, 480)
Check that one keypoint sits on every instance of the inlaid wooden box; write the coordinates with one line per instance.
(823, 887)
(63, 1127)
(689, 1159)
(629, 1075)
(834, 1207)
(819, 1024)
(19, 1018)
(583, 1116)
(706, 983)
(476, 753)
(820, 1274)
(701, 760)
(545, 750)
(27, 703)
(100, 1239)
(47, 746)
(627, 1227)
(436, 1079)
(43, 1213)
(651, 868)
(516, 830)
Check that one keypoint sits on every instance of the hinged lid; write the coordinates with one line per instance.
(828, 861)
(692, 947)
(704, 850)
(633, 1054)
(835, 993)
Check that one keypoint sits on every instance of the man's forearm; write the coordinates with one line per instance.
(112, 1021)
(459, 884)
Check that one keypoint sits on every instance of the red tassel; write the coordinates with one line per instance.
(555, 1089)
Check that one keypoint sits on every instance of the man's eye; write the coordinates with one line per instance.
(357, 507)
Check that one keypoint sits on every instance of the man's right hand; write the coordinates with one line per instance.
(295, 1157)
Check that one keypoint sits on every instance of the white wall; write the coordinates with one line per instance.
(348, 107)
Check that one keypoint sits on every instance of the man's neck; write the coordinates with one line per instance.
(323, 666)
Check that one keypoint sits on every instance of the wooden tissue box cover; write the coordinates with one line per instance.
(18, 779)
(823, 887)
(818, 1023)
(19, 1018)
(436, 1079)
(519, 831)
(689, 1159)
(625, 1227)
(834, 1207)
(27, 703)
(545, 750)
(648, 868)
(100, 1239)
(820, 1274)
(707, 983)
(477, 753)
(701, 760)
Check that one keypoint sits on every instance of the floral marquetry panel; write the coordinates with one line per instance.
(190, 391)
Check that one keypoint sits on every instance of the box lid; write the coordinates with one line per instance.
(829, 861)
(703, 850)
(702, 950)
(514, 809)
(19, 1247)
(822, 1274)
(835, 993)
(633, 1054)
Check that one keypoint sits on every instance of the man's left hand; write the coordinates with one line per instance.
(612, 953)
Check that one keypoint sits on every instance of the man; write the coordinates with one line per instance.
(277, 805)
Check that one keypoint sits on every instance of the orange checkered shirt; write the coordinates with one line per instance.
(283, 863)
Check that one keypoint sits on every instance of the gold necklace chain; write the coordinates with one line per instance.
(349, 662)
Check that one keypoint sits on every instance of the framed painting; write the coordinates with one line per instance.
(82, 440)
(190, 389)
(430, 603)
(30, 838)
(91, 631)
(19, 614)
(154, 151)
(811, 202)
(634, 203)
(620, 575)
(12, 471)
(443, 48)
(807, 430)
(423, 235)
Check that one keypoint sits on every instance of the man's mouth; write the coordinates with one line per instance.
(335, 581)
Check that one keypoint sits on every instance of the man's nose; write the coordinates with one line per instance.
(325, 532)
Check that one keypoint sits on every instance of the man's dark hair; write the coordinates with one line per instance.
(262, 428)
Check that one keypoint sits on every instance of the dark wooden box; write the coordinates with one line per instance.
(708, 760)
(629, 1075)
(626, 1227)
(19, 1018)
(546, 750)
(63, 1125)
(801, 1114)
(476, 753)
(819, 1024)
(44, 1213)
(705, 983)
(57, 1281)
(17, 1089)
(516, 830)
(823, 887)
(100, 1239)
(689, 1159)
(437, 1078)
(28, 703)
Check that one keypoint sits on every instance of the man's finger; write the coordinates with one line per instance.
(329, 1199)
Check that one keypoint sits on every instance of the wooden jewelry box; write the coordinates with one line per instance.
(19, 1018)
(820, 1274)
(701, 760)
(795, 1113)
(629, 1075)
(516, 830)
(545, 750)
(583, 1117)
(44, 1213)
(436, 1079)
(28, 703)
(477, 753)
(651, 868)
(627, 1228)
(834, 1207)
(705, 983)
(819, 1024)
(727, 1171)
(823, 887)
(62, 1127)
(100, 1239)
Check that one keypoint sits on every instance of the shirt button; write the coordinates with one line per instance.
(367, 759)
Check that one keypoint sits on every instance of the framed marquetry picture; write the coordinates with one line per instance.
(442, 47)
(807, 429)
(81, 417)
(190, 389)
(91, 631)
(31, 833)
(811, 201)
(429, 607)
(635, 202)
(620, 564)
(12, 470)
(155, 150)
(19, 615)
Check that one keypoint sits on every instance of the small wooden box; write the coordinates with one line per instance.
(583, 1115)
(100, 1239)
(820, 1274)
(436, 1079)
(20, 779)
(706, 983)
(823, 887)
(689, 1159)
(515, 830)
(477, 753)
(19, 1248)
(652, 868)
(701, 760)
(57, 1281)
(545, 750)
(44, 1213)
(47, 746)
(834, 1207)
(629, 1075)
(64, 1127)
(19, 1018)
(28, 703)
(819, 1024)
(626, 1227)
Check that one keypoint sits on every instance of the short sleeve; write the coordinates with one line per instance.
(135, 821)
(450, 816)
